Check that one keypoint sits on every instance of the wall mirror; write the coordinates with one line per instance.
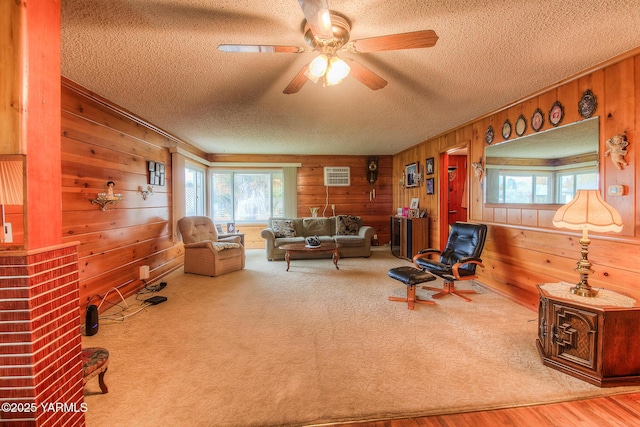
(545, 167)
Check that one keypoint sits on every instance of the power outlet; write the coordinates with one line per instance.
(144, 272)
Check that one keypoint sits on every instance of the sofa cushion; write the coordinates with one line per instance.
(316, 226)
(348, 225)
(287, 240)
(350, 241)
(283, 228)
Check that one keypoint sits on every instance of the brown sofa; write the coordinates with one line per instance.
(348, 231)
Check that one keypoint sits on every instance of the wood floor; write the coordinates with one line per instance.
(621, 410)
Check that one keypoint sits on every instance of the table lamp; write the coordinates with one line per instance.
(587, 211)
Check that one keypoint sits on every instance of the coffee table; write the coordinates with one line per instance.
(293, 248)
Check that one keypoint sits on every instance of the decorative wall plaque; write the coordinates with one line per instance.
(488, 137)
(537, 120)
(556, 113)
(588, 104)
(506, 129)
(521, 125)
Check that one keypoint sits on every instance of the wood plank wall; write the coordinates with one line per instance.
(100, 144)
(352, 200)
(523, 248)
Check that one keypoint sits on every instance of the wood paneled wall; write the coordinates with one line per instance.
(523, 248)
(356, 199)
(101, 143)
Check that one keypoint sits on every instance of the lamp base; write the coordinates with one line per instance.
(584, 292)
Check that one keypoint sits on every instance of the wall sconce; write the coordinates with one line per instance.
(107, 198)
(145, 193)
(477, 169)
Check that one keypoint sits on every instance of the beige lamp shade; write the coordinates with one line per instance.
(11, 182)
(588, 211)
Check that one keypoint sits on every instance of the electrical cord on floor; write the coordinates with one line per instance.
(123, 313)
(150, 289)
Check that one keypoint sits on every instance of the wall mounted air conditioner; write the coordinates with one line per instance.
(337, 176)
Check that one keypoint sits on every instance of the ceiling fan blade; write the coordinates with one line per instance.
(413, 40)
(366, 76)
(317, 15)
(259, 48)
(298, 81)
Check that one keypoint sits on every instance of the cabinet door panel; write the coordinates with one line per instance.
(574, 334)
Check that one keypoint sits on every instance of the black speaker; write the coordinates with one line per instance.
(91, 320)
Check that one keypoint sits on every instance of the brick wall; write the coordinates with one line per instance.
(40, 341)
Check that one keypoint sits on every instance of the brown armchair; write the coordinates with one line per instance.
(204, 253)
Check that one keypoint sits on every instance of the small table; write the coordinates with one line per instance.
(302, 247)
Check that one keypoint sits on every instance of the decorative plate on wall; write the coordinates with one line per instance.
(556, 113)
(488, 137)
(588, 104)
(506, 129)
(521, 125)
(537, 120)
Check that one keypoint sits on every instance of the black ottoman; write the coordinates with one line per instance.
(411, 277)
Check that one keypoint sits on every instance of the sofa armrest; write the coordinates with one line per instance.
(269, 236)
(366, 232)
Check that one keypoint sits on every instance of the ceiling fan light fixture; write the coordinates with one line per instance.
(317, 67)
(338, 70)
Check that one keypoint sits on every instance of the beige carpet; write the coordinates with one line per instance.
(265, 347)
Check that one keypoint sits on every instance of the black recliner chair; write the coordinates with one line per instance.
(459, 259)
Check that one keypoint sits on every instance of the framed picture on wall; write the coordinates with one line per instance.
(429, 185)
(156, 173)
(410, 173)
(414, 203)
(429, 169)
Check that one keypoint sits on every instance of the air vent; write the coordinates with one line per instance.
(337, 176)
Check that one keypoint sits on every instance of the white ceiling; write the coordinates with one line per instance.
(159, 60)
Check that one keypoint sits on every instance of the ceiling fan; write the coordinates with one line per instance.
(327, 32)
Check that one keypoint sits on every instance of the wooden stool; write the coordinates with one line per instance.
(95, 361)
(411, 277)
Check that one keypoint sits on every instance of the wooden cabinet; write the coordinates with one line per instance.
(597, 344)
(408, 236)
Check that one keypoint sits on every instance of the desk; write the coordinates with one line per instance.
(587, 339)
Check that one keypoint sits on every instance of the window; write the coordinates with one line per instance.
(517, 187)
(194, 194)
(246, 196)
(512, 185)
(570, 182)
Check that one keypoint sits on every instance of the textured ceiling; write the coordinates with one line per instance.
(159, 60)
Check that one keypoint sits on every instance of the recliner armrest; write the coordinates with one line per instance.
(203, 244)
(429, 251)
(231, 239)
(463, 261)
(423, 254)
